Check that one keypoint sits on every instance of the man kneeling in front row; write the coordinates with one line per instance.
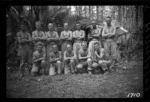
(101, 61)
(85, 61)
(38, 60)
(69, 60)
(55, 61)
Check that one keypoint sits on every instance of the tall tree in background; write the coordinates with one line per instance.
(97, 11)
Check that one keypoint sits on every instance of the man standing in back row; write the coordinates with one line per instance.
(109, 36)
(25, 49)
(78, 36)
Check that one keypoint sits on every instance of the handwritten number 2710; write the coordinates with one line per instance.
(133, 95)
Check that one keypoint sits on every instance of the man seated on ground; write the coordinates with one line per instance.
(38, 60)
(101, 59)
(84, 59)
(69, 60)
(55, 61)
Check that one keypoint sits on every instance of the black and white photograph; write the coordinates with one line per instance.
(74, 51)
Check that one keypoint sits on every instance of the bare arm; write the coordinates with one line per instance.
(109, 34)
(97, 54)
(59, 58)
(19, 38)
(70, 35)
(74, 34)
(83, 34)
(114, 30)
(89, 36)
(65, 58)
(35, 59)
(34, 37)
(61, 35)
(102, 53)
(29, 38)
(51, 59)
(98, 33)
(103, 33)
(80, 57)
(57, 36)
(89, 54)
(43, 36)
(74, 57)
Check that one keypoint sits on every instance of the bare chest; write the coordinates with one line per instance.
(39, 34)
(109, 29)
(51, 35)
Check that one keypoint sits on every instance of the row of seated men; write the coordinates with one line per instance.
(50, 38)
(85, 63)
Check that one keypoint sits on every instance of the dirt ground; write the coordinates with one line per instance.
(108, 85)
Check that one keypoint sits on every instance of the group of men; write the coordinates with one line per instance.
(75, 57)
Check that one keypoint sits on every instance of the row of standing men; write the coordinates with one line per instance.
(48, 58)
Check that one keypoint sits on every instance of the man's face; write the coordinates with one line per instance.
(66, 26)
(78, 26)
(108, 20)
(55, 48)
(39, 47)
(84, 45)
(23, 28)
(38, 26)
(50, 26)
(96, 46)
(69, 47)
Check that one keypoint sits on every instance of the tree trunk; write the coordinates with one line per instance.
(97, 12)
(89, 12)
(85, 11)
(102, 12)
(119, 15)
(80, 10)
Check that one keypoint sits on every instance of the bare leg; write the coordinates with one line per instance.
(21, 69)
(35, 69)
(43, 65)
(59, 67)
(89, 61)
(52, 69)
(66, 69)
(72, 66)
